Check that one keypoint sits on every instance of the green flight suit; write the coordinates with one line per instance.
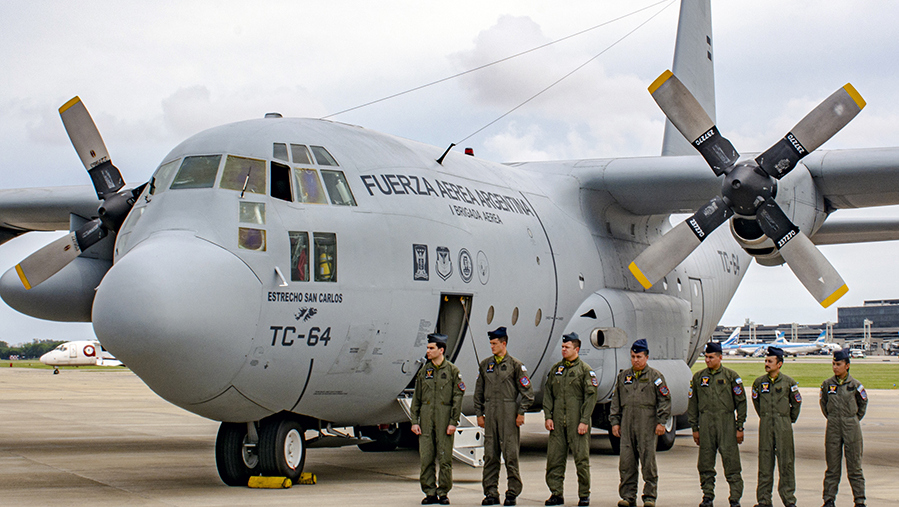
(641, 401)
(569, 396)
(777, 402)
(436, 404)
(496, 399)
(714, 397)
(843, 403)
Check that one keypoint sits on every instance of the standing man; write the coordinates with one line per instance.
(716, 393)
(569, 396)
(500, 411)
(844, 401)
(777, 402)
(641, 405)
(436, 409)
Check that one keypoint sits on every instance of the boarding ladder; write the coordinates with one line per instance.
(468, 443)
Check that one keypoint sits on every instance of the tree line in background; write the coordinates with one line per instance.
(32, 350)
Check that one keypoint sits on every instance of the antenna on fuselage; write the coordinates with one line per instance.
(440, 160)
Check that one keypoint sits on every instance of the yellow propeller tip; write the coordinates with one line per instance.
(76, 99)
(22, 277)
(857, 97)
(639, 276)
(835, 296)
(660, 81)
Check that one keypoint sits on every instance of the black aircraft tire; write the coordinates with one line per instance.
(234, 467)
(666, 441)
(384, 441)
(282, 448)
(616, 444)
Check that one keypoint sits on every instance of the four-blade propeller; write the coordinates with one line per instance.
(749, 187)
(114, 207)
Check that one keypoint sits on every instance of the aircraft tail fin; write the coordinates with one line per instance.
(822, 337)
(693, 66)
(732, 339)
(779, 337)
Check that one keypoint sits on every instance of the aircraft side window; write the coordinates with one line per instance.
(325, 256)
(243, 172)
(300, 154)
(309, 188)
(299, 256)
(163, 177)
(251, 239)
(252, 212)
(338, 189)
(279, 151)
(322, 157)
(197, 172)
(280, 176)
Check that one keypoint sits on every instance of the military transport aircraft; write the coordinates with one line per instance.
(281, 275)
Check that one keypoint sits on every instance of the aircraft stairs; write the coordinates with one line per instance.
(468, 443)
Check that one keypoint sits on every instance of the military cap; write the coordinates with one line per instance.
(499, 332)
(437, 338)
(775, 351)
(713, 347)
(570, 337)
(841, 355)
(640, 346)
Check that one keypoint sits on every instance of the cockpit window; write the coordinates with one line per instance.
(197, 172)
(338, 189)
(241, 173)
(322, 157)
(299, 256)
(309, 188)
(251, 239)
(325, 256)
(163, 177)
(280, 176)
(279, 151)
(300, 154)
(252, 213)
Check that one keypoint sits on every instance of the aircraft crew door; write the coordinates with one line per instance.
(696, 310)
(452, 320)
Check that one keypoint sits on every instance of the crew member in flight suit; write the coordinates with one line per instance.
(569, 396)
(436, 409)
(641, 406)
(502, 394)
(716, 393)
(777, 402)
(843, 401)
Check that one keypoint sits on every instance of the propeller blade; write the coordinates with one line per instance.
(805, 260)
(47, 261)
(812, 131)
(90, 147)
(685, 113)
(664, 255)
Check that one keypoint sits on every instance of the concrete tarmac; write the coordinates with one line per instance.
(102, 438)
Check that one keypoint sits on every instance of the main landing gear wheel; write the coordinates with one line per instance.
(666, 441)
(282, 448)
(234, 460)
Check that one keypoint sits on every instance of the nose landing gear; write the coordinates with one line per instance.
(278, 449)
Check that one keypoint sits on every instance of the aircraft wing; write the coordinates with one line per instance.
(837, 231)
(43, 209)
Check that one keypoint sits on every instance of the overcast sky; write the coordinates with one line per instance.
(153, 73)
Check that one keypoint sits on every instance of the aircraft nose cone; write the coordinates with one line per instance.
(181, 312)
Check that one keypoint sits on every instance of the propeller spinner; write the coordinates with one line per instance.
(749, 187)
(108, 182)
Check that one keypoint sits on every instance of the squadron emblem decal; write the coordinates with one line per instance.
(466, 265)
(443, 263)
(483, 268)
(420, 262)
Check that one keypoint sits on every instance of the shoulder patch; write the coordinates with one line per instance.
(739, 380)
(738, 390)
(462, 386)
(663, 390)
(524, 368)
(862, 392)
(593, 379)
(797, 397)
(755, 393)
(525, 381)
(690, 391)
(794, 388)
(658, 382)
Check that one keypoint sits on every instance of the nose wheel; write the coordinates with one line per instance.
(278, 451)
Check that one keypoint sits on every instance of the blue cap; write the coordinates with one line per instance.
(437, 338)
(713, 347)
(841, 355)
(499, 332)
(569, 337)
(775, 351)
(640, 346)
